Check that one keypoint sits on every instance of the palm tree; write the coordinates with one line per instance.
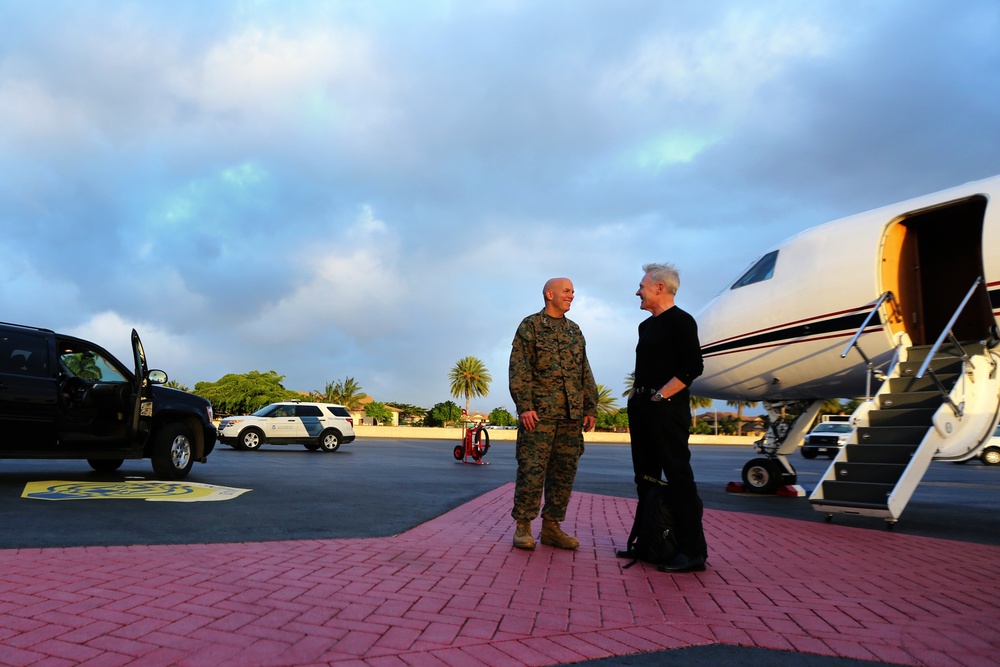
(852, 405)
(698, 402)
(832, 406)
(629, 383)
(82, 364)
(739, 405)
(346, 392)
(469, 378)
(606, 403)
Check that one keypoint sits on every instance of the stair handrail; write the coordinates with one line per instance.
(948, 334)
(887, 295)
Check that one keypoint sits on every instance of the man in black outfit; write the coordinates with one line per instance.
(667, 360)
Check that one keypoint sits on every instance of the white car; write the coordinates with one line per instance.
(991, 452)
(317, 426)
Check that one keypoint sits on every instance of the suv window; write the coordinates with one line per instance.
(338, 411)
(24, 354)
(89, 365)
(308, 411)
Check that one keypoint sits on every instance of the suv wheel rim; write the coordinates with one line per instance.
(180, 452)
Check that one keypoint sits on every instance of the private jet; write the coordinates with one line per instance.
(897, 307)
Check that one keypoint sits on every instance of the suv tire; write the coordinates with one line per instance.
(251, 439)
(329, 441)
(105, 465)
(990, 456)
(173, 451)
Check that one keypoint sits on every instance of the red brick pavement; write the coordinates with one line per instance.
(454, 592)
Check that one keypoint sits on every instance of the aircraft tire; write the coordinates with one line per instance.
(762, 475)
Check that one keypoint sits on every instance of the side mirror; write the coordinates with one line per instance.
(157, 376)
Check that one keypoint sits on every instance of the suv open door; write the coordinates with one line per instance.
(142, 408)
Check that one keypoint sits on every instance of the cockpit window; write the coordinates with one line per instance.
(762, 270)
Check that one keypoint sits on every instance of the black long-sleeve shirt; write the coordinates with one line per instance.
(668, 347)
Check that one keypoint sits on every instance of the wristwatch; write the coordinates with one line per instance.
(657, 397)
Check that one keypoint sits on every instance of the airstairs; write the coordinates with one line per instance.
(938, 402)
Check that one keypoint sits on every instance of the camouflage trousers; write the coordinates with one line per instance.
(547, 457)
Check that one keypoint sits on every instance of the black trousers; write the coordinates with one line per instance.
(659, 434)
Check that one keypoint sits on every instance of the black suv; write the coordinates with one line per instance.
(66, 398)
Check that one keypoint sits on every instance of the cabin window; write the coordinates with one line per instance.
(762, 270)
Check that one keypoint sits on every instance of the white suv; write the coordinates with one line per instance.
(991, 452)
(323, 426)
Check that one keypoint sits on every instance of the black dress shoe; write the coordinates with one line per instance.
(626, 553)
(681, 563)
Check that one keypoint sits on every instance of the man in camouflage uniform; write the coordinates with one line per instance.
(556, 400)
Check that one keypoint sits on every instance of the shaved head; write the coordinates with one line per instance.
(558, 294)
(551, 285)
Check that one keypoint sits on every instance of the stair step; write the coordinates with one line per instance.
(940, 367)
(900, 453)
(882, 473)
(866, 474)
(858, 492)
(859, 506)
(899, 435)
(977, 348)
(907, 417)
(904, 385)
(910, 399)
(971, 348)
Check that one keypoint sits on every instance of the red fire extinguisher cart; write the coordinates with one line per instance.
(475, 444)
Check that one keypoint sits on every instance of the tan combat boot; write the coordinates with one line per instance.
(553, 536)
(522, 537)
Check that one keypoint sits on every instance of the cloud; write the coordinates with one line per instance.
(332, 189)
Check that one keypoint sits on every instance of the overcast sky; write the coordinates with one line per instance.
(378, 189)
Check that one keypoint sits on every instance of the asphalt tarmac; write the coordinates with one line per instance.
(381, 487)
(376, 487)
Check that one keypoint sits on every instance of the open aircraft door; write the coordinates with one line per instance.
(941, 397)
(930, 259)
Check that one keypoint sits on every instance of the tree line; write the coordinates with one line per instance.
(245, 393)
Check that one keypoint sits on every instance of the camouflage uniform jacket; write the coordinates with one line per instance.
(549, 371)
